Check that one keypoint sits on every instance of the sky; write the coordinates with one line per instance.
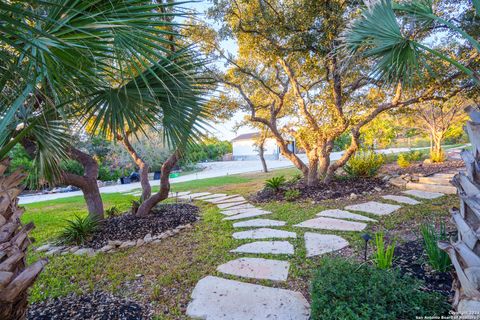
(223, 131)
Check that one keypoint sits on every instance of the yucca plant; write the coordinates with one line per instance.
(383, 257)
(275, 183)
(437, 258)
(112, 212)
(16, 277)
(79, 230)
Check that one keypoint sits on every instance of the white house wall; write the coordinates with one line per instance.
(246, 150)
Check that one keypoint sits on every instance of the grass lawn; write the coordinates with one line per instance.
(164, 274)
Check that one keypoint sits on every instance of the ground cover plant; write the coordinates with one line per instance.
(343, 289)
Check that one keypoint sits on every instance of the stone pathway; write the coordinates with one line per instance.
(218, 298)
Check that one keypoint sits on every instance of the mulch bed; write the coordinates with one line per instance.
(411, 259)
(338, 188)
(94, 306)
(130, 227)
(422, 169)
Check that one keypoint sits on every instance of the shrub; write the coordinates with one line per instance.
(364, 164)
(438, 259)
(294, 179)
(292, 194)
(79, 230)
(112, 212)
(383, 257)
(275, 183)
(72, 166)
(415, 155)
(345, 290)
(403, 161)
(437, 156)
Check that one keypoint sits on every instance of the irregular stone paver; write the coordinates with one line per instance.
(263, 233)
(259, 223)
(195, 195)
(332, 224)
(317, 244)
(232, 204)
(220, 199)
(178, 194)
(424, 194)
(215, 195)
(250, 214)
(226, 200)
(342, 214)
(257, 268)
(231, 212)
(271, 247)
(374, 207)
(401, 199)
(221, 299)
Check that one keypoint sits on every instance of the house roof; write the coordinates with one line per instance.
(246, 136)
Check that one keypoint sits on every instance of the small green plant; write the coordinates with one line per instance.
(292, 194)
(112, 212)
(364, 164)
(135, 205)
(275, 183)
(345, 290)
(438, 259)
(437, 156)
(414, 155)
(383, 257)
(294, 179)
(403, 161)
(79, 230)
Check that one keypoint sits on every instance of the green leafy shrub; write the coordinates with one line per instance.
(415, 155)
(275, 183)
(112, 212)
(106, 174)
(383, 257)
(72, 166)
(364, 164)
(294, 179)
(79, 230)
(344, 290)
(403, 161)
(438, 259)
(292, 194)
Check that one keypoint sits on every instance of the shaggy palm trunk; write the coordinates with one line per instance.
(15, 276)
(465, 252)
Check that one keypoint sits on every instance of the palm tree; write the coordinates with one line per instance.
(396, 37)
(69, 60)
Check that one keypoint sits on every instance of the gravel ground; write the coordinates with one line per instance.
(129, 227)
(422, 169)
(98, 305)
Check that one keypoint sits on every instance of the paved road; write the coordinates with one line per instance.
(211, 170)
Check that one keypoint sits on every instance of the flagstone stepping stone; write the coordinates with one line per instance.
(257, 268)
(259, 223)
(232, 204)
(332, 224)
(401, 199)
(374, 207)
(178, 194)
(271, 247)
(249, 214)
(195, 195)
(216, 298)
(231, 212)
(424, 194)
(342, 214)
(226, 200)
(210, 196)
(263, 233)
(241, 206)
(219, 199)
(317, 244)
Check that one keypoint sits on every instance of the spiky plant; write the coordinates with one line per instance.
(15, 276)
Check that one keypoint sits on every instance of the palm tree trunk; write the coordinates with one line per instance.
(15, 276)
(465, 252)
(148, 204)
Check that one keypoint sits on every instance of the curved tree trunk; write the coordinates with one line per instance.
(261, 154)
(465, 252)
(142, 165)
(148, 204)
(15, 276)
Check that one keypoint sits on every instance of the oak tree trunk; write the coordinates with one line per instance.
(15, 276)
(261, 154)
